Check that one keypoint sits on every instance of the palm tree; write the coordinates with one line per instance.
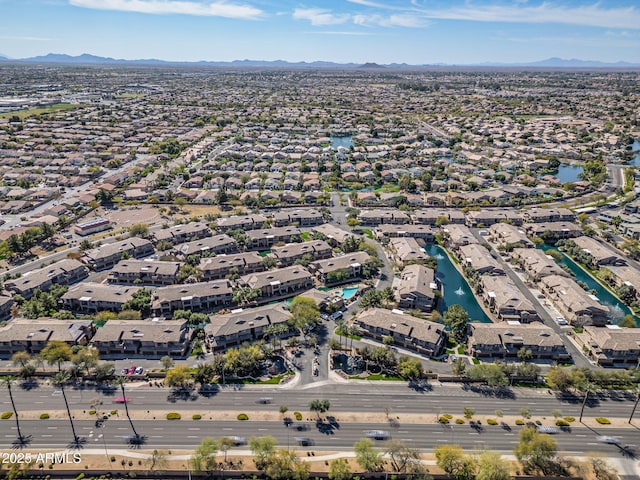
(8, 381)
(636, 404)
(587, 388)
(121, 380)
(319, 406)
(59, 380)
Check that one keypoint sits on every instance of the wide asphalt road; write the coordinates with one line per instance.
(371, 397)
(186, 434)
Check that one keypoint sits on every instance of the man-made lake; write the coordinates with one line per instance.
(617, 309)
(568, 173)
(455, 289)
(345, 142)
(635, 147)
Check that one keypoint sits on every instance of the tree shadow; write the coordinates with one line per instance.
(136, 441)
(420, 386)
(29, 384)
(77, 443)
(326, 428)
(106, 389)
(22, 442)
(209, 390)
(183, 393)
(490, 391)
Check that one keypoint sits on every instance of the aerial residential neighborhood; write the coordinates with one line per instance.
(378, 251)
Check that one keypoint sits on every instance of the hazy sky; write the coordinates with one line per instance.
(382, 31)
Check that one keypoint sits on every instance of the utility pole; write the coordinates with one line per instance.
(635, 405)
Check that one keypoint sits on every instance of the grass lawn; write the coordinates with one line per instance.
(272, 381)
(378, 376)
(368, 233)
(22, 114)
(306, 236)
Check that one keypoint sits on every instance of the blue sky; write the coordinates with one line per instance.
(382, 31)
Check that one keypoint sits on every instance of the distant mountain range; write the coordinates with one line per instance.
(88, 59)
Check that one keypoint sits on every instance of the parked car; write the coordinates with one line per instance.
(138, 370)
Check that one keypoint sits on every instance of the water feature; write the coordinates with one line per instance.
(617, 309)
(346, 142)
(568, 173)
(635, 148)
(455, 289)
(347, 293)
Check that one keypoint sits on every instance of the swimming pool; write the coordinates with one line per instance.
(347, 293)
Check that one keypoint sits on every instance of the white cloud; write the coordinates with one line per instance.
(404, 20)
(357, 34)
(25, 39)
(588, 15)
(368, 3)
(320, 16)
(210, 9)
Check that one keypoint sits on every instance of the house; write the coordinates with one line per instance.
(218, 245)
(376, 217)
(509, 236)
(92, 226)
(424, 232)
(267, 238)
(89, 297)
(486, 217)
(244, 222)
(407, 331)
(506, 300)
(437, 217)
(457, 236)
(611, 345)
(223, 265)
(578, 307)
(480, 259)
(134, 272)
(182, 233)
(197, 297)
(31, 336)
(334, 236)
(342, 269)
(249, 325)
(300, 218)
(5, 307)
(310, 251)
(417, 288)
(280, 283)
(597, 252)
(107, 255)
(503, 341)
(544, 215)
(144, 338)
(64, 272)
(326, 300)
(553, 230)
(536, 263)
(405, 250)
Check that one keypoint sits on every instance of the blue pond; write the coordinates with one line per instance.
(455, 289)
(635, 147)
(347, 293)
(345, 142)
(568, 173)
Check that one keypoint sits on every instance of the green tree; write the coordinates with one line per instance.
(304, 313)
(21, 358)
(167, 362)
(263, 448)
(179, 377)
(628, 322)
(157, 461)
(459, 367)
(245, 295)
(491, 466)
(367, 456)
(56, 352)
(558, 378)
(339, 469)
(139, 230)
(371, 299)
(401, 456)
(410, 368)
(456, 318)
(535, 450)
(86, 358)
(491, 373)
(204, 458)
(454, 462)
(285, 465)
(319, 406)
(140, 301)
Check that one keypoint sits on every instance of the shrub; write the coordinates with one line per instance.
(459, 421)
(6, 415)
(538, 422)
(173, 416)
(92, 412)
(519, 422)
(114, 412)
(561, 423)
(196, 416)
(112, 458)
(569, 419)
(80, 476)
(44, 416)
(444, 420)
(491, 421)
(603, 421)
(448, 416)
(298, 415)
(243, 416)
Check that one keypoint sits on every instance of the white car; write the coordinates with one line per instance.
(561, 321)
(378, 434)
(609, 440)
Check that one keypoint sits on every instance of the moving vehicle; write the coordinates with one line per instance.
(121, 399)
(609, 440)
(237, 440)
(304, 441)
(265, 400)
(548, 430)
(378, 434)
